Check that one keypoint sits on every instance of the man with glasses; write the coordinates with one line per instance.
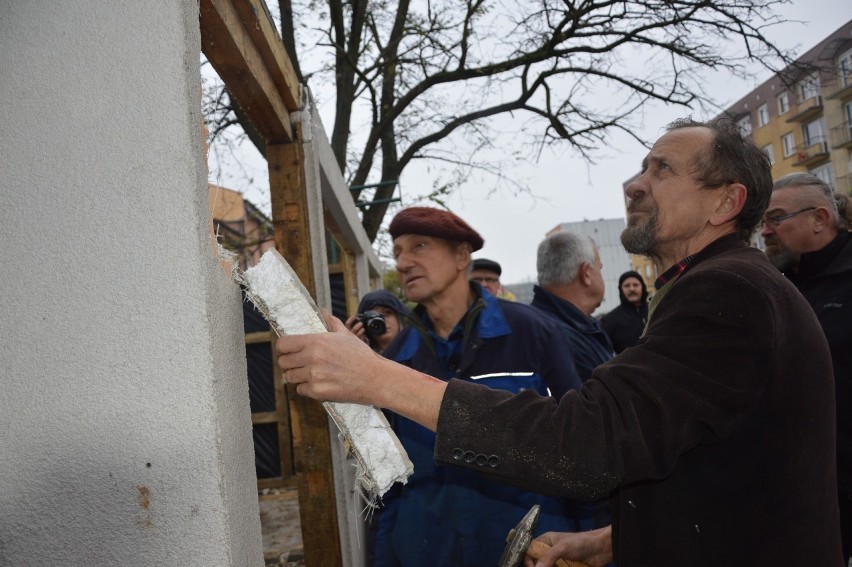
(487, 273)
(804, 241)
(715, 435)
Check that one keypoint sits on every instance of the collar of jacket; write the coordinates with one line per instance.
(565, 310)
(484, 316)
(832, 259)
(722, 244)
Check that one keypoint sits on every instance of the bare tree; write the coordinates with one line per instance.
(432, 76)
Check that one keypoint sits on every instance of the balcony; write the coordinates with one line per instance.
(806, 109)
(844, 87)
(840, 135)
(810, 155)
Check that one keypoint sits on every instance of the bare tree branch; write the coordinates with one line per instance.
(441, 73)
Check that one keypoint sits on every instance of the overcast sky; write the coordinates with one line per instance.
(566, 189)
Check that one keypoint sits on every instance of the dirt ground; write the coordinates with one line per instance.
(281, 527)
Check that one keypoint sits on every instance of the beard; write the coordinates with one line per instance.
(781, 257)
(640, 236)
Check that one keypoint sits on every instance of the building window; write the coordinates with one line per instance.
(809, 86)
(783, 103)
(813, 132)
(763, 115)
(770, 153)
(789, 144)
(844, 70)
(744, 124)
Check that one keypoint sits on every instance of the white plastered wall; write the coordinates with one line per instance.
(124, 420)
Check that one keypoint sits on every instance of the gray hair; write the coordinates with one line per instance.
(560, 256)
(821, 195)
(844, 210)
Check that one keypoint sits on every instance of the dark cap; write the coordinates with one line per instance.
(487, 265)
(429, 221)
(384, 298)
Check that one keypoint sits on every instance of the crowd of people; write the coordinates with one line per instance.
(703, 427)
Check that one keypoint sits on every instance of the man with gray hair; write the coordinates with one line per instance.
(804, 241)
(570, 287)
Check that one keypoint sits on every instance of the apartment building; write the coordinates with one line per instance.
(801, 117)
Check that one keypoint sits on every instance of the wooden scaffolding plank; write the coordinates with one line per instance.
(311, 435)
(243, 65)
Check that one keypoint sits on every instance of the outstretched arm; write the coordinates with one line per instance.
(338, 367)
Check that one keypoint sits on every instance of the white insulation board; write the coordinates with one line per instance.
(380, 458)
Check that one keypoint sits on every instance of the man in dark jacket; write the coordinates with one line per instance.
(446, 515)
(570, 287)
(716, 432)
(804, 241)
(625, 323)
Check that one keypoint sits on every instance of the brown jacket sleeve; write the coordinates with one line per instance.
(698, 373)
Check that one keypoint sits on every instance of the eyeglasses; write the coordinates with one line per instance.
(774, 221)
(485, 279)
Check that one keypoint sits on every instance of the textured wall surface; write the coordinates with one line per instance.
(124, 421)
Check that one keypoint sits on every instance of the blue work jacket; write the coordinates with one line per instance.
(452, 516)
(590, 344)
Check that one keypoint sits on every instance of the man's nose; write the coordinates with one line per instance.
(635, 188)
(766, 230)
(402, 262)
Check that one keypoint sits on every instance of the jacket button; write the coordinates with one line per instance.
(481, 460)
(493, 461)
(457, 454)
(469, 457)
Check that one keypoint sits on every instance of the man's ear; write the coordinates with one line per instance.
(731, 204)
(822, 220)
(463, 254)
(585, 273)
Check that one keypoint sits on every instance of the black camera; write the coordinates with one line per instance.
(374, 323)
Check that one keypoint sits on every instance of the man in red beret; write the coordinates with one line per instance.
(448, 515)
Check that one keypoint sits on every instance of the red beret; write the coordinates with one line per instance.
(428, 221)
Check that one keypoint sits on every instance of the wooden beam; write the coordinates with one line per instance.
(311, 435)
(260, 337)
(258, 23)
(248, 66)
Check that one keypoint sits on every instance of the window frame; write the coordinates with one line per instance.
(770, 153)
(788, 151)
(783, 107)
(762, 115)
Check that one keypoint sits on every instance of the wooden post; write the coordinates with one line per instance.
(311, 441)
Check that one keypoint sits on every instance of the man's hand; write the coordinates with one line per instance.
(593, 547)
(334, 366)
(339, 367)
(357, 328)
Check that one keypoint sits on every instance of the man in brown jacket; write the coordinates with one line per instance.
(715, 435)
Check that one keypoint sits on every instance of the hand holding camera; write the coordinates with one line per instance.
(374, 323)
(367, 325)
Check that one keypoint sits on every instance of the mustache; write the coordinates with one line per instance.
(635, 205)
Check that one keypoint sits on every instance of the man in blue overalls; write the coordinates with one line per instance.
(446, 515)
